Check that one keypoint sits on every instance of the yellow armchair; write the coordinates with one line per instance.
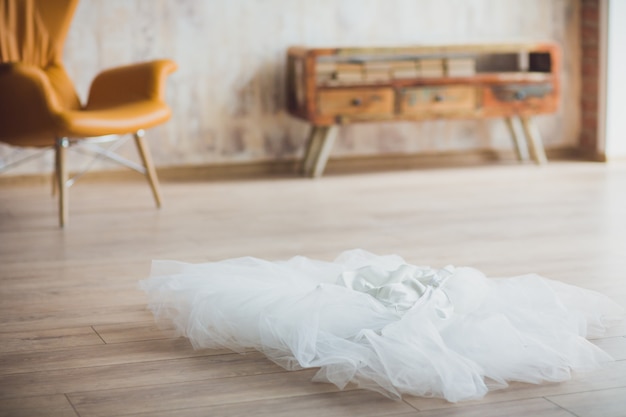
(39, 106)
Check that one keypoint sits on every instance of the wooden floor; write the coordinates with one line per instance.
(77, 340)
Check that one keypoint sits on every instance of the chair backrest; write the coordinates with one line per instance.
(32, 35)
(34, 31)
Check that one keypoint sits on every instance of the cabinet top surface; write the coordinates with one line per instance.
(428, 48)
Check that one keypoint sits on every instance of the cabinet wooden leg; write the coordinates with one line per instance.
(312, 150)
(534, 140)
(328, 139)
(521, 147)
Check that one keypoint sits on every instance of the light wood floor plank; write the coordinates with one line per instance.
(38, 317)
(536, 407)
(132, 332)
(601, 403)
(335, 404)
(195, 394)
(48, 339)
(37, 406)
(100, 355)
(129, 375)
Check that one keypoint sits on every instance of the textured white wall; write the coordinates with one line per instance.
(228, 94)
(616, 83)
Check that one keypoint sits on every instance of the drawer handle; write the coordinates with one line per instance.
(519, 95)
(357, 101)
(438, 98)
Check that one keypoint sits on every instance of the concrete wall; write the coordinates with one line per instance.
(228, 95)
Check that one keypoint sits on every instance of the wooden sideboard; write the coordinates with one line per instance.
(330, 87)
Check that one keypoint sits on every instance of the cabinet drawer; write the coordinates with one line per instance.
(519, 92)
(351, 101)
(520, 98)
(438, 100)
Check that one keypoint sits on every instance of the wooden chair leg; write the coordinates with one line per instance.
(55, 182)
(60, 148)
(144, 153)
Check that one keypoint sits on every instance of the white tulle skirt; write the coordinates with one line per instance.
(384, 325)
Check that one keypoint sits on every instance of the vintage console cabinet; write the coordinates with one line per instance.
(330, 87)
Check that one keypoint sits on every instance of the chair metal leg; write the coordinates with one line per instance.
(60, 148)
(142, 147)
